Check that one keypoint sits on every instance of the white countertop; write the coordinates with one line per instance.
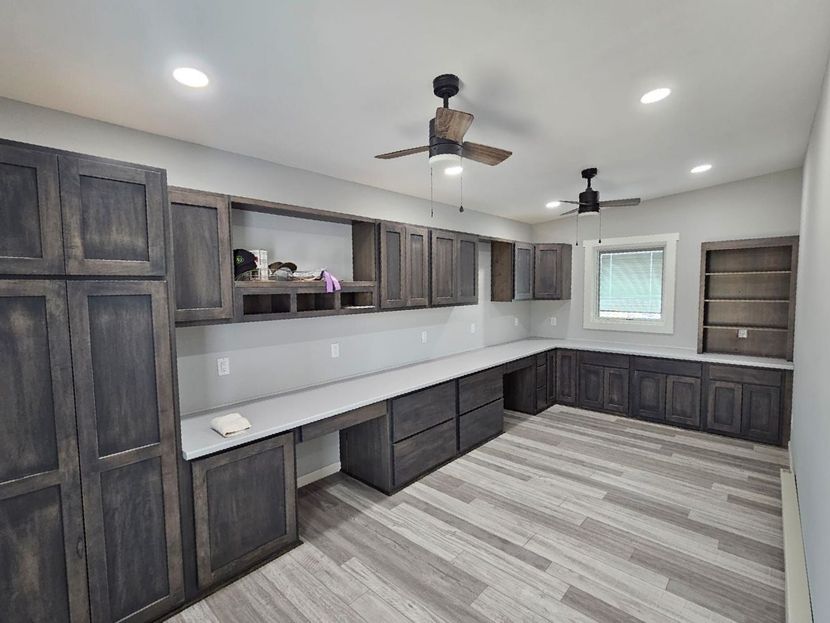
(283, 412)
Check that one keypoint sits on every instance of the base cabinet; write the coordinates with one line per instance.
(683, 401)
(648, 395)
(567, 367)
(244, 506)
(603, 382)
(745, 402)
(666, 390)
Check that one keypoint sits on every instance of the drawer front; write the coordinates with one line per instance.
(344, 420)
(480, 388)
(418, 411)
(481, 424)
(738, 374)
(519, 364)
(609, 360)
(422, 452)
(667, 366)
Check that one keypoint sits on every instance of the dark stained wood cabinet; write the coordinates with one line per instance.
(761, 413)
(523, 272)
(444, 254)
(123, 374)
(113, 218)
(480, 407)
(567, 373)
(591, 387)
(520, 385)
(245, 507)
(201, 255)
(550, 373)
(723, 410)
(683, 401)
(393, 272)
(43, 573)
(467, 251)
(666, 390)
(745, 402)
(551, 271)
(31, 238)
(603, 382)
(417, 266)
(615, 383)
(648, 395)
(418, 411)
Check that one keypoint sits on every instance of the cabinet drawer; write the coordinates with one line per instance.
(418, 411)
(611, 360)
(481, 424)
(667, 366)
(519, 364)
(343, 420)
(480, 388)
(422, 452)
(738, 374)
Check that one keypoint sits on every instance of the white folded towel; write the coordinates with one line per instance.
(230, 424)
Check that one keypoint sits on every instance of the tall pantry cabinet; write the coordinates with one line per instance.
(89, 507)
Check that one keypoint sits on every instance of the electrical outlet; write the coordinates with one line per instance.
(515, 321)
(223, 366)
(423, 337)
(743, 334)
(472, 327)
(335, 350)
(553, 321)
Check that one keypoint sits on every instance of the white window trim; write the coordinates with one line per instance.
(591, 319)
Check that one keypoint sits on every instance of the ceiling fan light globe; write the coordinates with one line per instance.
(453, 170)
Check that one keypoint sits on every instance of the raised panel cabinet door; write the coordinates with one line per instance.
(723, 406)
(683, 401)
(591, 386)
(761, 413)
(444, 254)
(566, 377)
(648, 395)
(551, 373)
(121, 358)
(467, 269)
(417, 266)
(393, 272)
(201, 255)
(615, 397)
(523, 272)
(113, 218)
(547, 281)
(31, 240)
(245, 507)
(42, 550)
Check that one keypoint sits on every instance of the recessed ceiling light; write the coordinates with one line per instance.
(656, 95)
(553, 204)
(701, 168)
(191, 77)
(456, 170)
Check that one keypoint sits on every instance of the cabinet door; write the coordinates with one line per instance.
(417, 266)
(723, 406)
(761, 413)
(683, 401)
(113, 218)
(31, 241)
(43, 570)
(648, 395)
(551, 372)
(591, 386)
(393, 283)
(122, 365)
(201, 255)
(467, 270)
(615, 398)
(566, 377)
(523, 275)
(444, 253)
(547, 282)
(245, 507)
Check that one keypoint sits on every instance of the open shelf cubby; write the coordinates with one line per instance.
(313, 239)
(747, 297)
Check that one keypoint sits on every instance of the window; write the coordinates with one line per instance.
(629, 284)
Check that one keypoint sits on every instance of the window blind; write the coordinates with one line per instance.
(631, 283)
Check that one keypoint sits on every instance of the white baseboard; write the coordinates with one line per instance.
(318, 474)
(799, 609)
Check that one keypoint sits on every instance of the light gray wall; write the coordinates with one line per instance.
(761, 206)
(269, 357)
(810, 442)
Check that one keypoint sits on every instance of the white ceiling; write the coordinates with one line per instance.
(325, 85)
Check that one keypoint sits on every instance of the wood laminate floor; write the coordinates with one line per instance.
(568, 516)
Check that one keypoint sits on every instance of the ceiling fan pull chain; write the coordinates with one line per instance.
(431, 206)
(461, 190)
(577, 229)
(600, 226)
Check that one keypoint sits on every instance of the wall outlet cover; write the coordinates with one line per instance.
(423, 337)
(553, 321)
(515, 321)
(472, 327)
(335, 350)
(223, 366)
(743, 334)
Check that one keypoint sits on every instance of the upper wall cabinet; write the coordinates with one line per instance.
(454, 258)
(31, 242)
(113, 218)
(467, 269)
(523, 271)
(201, 255)
(404, 266)
(552, 271)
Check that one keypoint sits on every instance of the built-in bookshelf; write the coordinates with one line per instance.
(747, 297)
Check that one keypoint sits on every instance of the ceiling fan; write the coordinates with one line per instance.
(446, 134)
(589, 198)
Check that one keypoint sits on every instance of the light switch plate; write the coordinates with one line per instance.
(223, 366)
(515, 321)
(423, 337)
(472, 327)
(553, 321)
(335, 350)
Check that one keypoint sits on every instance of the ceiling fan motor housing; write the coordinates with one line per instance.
(438, 145)
(588, 201)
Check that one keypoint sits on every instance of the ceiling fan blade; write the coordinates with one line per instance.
(570, 211)
(403, 152)
(619, 203)
(576, 203)
(452, 124)
(485, 154)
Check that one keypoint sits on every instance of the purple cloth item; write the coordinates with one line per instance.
(332, 284)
